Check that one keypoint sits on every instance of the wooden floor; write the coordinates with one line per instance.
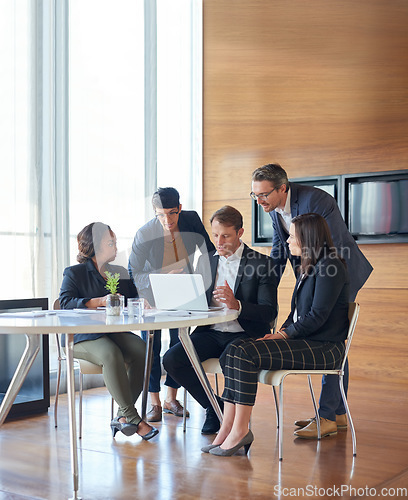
(34, 456)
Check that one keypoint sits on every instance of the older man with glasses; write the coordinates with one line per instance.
(166, 244)
(284, 200)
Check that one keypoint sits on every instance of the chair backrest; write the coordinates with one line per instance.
(212, 365)
(354, 309)
(85, 367)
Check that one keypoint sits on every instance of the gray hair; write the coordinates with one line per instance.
(273, 173)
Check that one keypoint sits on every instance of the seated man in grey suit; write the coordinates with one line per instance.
(284, 200)
(237, 278)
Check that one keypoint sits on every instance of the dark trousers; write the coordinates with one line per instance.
(331, 402)
(155, 374)
(208, 344)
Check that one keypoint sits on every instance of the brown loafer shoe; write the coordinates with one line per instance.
(155, 414)
(304, 423)
(341, 421)
(327, 428)
(175, 408)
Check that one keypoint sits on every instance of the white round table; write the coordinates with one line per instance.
(72, 322)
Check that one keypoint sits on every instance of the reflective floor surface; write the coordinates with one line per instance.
(34, 456)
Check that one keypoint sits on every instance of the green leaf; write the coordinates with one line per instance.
(112, 282)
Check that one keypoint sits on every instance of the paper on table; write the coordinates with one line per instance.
(87, 311)
(26, 314)
(178, 313)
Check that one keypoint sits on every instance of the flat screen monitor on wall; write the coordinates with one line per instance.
(262, 230)
(377, 206)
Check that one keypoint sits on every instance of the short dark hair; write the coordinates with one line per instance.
(167, 197)
(228, 216)
(89, 240)
(273, 173)
(314, 238)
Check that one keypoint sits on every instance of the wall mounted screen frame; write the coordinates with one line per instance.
(376, 206)
(262, 230)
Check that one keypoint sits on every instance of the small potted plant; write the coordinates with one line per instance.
(113, 299)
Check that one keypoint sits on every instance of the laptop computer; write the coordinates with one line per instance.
(180, 292)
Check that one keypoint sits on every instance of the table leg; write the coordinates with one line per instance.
(148, 369)
(69, 343)
(188, 346)
(33, 343)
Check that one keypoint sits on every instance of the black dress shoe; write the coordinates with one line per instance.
(212, 424)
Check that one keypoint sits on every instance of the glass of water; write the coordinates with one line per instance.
(135, 308)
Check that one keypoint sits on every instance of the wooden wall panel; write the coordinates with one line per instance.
(319, 86)
(380, 348)
(322, 88)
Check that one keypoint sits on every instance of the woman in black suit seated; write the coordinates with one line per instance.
(122, 354)
(312, 337)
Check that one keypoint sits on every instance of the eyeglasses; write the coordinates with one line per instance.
(261, 196)
(171, 214)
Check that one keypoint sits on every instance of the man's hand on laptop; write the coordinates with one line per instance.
(226, 295)
(176, 271)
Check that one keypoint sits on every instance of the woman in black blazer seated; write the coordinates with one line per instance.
(312, 337)
(122, 354)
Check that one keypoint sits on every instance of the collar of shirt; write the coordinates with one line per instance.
(285, 213)
(286, 209)
(237, 255)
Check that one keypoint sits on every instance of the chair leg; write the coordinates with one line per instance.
(276, 406)
(309, 378)
(350, 420)
(216, 384)
(185, 410)
(81, 384)
(280, 430)
(112, 408)
(57, 394)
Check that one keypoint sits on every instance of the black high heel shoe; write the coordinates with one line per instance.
(130, 429)
(150, 434)
(245, 442)
(127, 429)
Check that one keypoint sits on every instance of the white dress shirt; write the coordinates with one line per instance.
(285, 214)
(295, 314)
(227, 270)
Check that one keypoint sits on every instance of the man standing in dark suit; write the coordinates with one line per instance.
(284, 200)
(166, 244)
(236, 277)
